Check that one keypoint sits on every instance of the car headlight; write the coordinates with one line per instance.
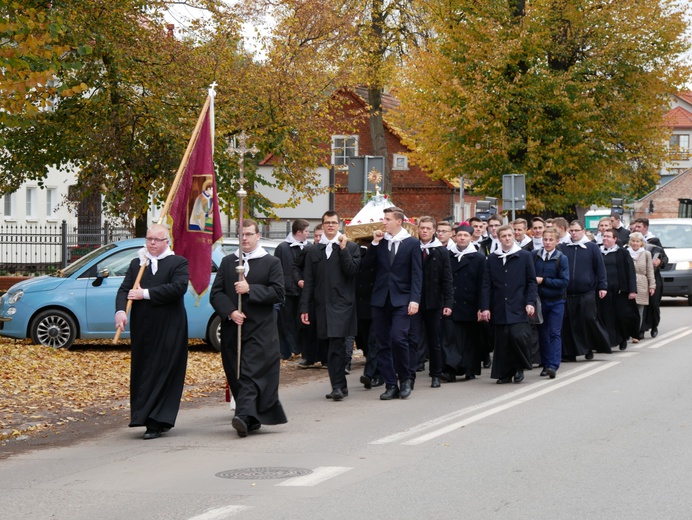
(11, 311)
(15, 297)
(683, 266)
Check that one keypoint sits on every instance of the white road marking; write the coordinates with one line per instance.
(660, 343)
(621, 354)
(317, 476)
(501, 408)
(395, 437)
(220, 513)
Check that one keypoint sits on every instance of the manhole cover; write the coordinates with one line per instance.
(263, 473)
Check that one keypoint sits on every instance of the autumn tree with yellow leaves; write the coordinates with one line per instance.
(570, 93)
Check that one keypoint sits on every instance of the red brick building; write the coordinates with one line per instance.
(666, 198)
(412, 188)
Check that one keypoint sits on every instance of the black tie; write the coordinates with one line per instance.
(392, 252)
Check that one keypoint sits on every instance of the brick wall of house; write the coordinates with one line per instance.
(412, 189)
(666, 197)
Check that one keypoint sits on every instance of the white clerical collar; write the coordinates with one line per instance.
(433, 243)
(293, 242)
(144, 254)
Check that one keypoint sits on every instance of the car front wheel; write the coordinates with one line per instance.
(53, 328)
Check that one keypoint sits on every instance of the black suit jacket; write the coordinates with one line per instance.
(402, 280)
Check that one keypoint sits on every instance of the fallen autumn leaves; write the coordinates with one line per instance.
(41, 388)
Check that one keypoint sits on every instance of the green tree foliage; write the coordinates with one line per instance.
(126, 95)
(570, 93)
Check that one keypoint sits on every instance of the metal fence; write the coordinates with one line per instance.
(46, 248)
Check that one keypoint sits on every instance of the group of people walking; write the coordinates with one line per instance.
(447, 298)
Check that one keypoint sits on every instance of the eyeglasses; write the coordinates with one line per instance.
(575, 230)
(248, 235)
(330, 223)
(154, 240)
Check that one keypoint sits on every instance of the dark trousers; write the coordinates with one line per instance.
(426, 324)
(391, 331)
(289, 327)
(365, 340)
(337, 363)
(550, 333)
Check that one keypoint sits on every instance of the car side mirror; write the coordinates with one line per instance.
(102, 274)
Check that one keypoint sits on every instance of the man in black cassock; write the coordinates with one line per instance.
(329, 297)
(256, 391)
(158, 333)
(582, 331)
(465, 355)
(508, 298)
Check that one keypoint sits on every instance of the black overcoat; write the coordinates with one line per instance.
(436, 292)
(256, 392)
(330, 286)
(158, 332)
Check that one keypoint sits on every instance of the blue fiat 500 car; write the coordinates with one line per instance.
(79, 301)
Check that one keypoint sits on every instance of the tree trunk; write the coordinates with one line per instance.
(378, 141)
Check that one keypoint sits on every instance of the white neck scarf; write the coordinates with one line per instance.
(525, 240)
(605, 250)
(293, 242)
(598, 238)
(459, 254)
(537, 243)
(635, 254)
(565, 240)
(581, 242)
(392, 240)
(514, 249)
(330, 243)
(144, 254)
(649, 235)
(433, 243)
(494, 245)
(451, 245)
(259, 252)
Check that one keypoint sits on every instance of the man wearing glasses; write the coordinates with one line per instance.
(329, 297)
(491, 243)
(582, 332)
(256, 389)
(158, 333)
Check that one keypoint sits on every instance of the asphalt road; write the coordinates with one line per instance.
(609, 438)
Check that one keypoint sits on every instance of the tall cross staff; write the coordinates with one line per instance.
(239, 147)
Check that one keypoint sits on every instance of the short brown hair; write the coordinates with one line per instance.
(397, 213)
(248, 222)
(427, 218)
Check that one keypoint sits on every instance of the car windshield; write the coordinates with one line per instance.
(673, 236)
(76, 266)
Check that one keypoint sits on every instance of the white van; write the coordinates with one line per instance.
(675, 235)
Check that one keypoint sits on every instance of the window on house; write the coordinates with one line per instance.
(680, 142)
(8, 206)
(344, 147)
(51, 201)
(31, 203)
(399, 162)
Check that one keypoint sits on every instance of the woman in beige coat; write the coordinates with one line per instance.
(644, 268)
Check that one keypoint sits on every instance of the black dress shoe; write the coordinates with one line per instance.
(377, 381)
(519, 376)
(504, 380)
(469, 377)
(486, 362)
(151, 433)
(654, 332)
(551, 372)
(336, 394)
(435, 382)
(240, 426)
(304, 363)
(367, 382)
(421, 367)
(165, 430)
(623, 345)
(254, 426)
(589, 354)
(406, 388)
(448, 376)
(392, 392)
(348, 368)
(544, 372)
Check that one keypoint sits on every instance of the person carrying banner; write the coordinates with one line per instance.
(158, 333)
